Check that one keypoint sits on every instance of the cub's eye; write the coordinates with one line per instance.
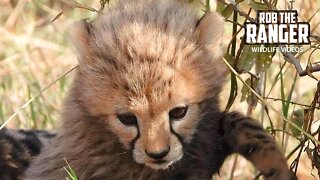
(127, 119)
(178, 113)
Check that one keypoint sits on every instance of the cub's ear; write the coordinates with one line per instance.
(81, 37)
(210, 30)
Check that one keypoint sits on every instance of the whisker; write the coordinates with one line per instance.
(120, 153)
(191, 155)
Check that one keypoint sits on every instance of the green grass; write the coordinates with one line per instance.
(71, 174)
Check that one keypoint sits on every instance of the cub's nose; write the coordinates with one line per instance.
(158, 155)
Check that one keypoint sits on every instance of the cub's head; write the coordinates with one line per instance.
(145, 78)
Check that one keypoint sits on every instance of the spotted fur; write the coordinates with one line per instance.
(17, 149)
(143, 59)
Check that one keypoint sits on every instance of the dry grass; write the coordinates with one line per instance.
(34, 52)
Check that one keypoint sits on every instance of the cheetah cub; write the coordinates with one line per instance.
(144, 101)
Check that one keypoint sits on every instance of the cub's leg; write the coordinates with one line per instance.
(245, 136)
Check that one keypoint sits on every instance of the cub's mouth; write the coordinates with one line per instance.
(159, 161)
(159, 164)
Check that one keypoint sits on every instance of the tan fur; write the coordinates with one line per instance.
(145, 57)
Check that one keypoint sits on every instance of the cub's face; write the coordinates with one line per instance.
(155, 135)
(153, 110)
(155, 128)
(146, 84)
(151, 117)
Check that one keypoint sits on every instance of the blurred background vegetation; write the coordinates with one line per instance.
(36, 58)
